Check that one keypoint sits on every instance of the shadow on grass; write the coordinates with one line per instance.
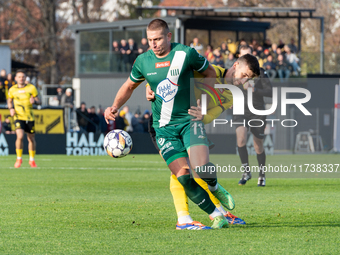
(291, 225)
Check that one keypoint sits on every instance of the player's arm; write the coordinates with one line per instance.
(123, 94)
(34, 100)
(150, 95)
(212, 113)
(10, 106)
(210, 75)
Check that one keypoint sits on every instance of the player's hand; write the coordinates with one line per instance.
(249, 84)
(150, 95)
(109, 114)
(32, 100)
(12, 112)
(196, 111)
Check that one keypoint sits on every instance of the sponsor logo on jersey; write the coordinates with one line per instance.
(161, 141)
(167, 90)
(154, 73)
(162, 64)
(174, 72)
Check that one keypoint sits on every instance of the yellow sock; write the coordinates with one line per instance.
(179, 197)
(204, 185)
(32, 154)
(19, 153)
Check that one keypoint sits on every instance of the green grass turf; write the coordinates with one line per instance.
(101, 205)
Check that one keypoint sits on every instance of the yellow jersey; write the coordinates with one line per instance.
(217, 97)
(21, 101)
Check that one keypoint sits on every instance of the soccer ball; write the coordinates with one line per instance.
(117, 143)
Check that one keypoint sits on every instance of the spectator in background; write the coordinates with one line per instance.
(254, 44)
(102, 122)
(2, 86)
(59, 94)
(56, 100)
(67, 103)
(209, 55)
(230, 61)
(94, 121)
(124, 47)
(3, 76)
(116, 57)
(120, 121)
(232, 46)
(255, 53)
(270, 67)
(144, 46)
(218, 59)
(265, 55)
(267, 44)
(136, 123)
(281, 44)
(278, 52)
(145, 121)
(82, 117)
(9, 82)
(67, 99)
(292, 60)
(242, 42)
(282, 68)
(128, 117)
(274, 51)
(196, 45)
(132, 52)
(260, 52)
(224, 51)
(292, 46)
(7, 127)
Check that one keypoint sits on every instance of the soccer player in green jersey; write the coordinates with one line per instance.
(168, 68)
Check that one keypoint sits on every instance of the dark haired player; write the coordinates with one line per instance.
(261, 87)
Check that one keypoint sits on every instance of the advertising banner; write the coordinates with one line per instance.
(47, 121)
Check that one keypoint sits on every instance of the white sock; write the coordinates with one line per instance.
(185, 219)
(216, 213)
(221, 209)
(213, 188)
(19, 157)
(31, 158)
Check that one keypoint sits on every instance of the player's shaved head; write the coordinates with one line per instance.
(158, 24)
(252, 63)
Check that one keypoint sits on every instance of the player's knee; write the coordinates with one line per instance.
(241, 142)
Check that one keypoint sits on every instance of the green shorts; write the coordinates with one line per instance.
(175, 140)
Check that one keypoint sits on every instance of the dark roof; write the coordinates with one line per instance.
(21, 65)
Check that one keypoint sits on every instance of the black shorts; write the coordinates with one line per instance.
(27, 126)
(258, 121)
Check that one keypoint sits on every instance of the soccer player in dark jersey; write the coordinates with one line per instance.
(168, 68)
(21, 98)
(261, 88)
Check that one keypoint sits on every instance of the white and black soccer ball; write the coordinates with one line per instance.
(117, 143)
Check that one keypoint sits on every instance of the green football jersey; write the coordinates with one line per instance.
(169, 77)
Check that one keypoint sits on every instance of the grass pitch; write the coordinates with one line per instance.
(101, 205)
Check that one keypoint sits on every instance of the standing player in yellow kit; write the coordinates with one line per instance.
(21, 98)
